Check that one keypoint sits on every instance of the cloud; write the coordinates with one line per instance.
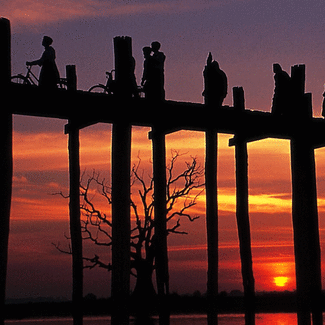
(40, 151)
(19, 180)
(259, 203)
(47, 11)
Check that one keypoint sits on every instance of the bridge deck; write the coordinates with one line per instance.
(170, 115)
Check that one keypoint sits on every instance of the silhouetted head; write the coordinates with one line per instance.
(146, 51)
(47, 41)
(155, 46)
(215, 65)
(277, 68)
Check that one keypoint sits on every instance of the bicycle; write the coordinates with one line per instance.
(109, 88)
(105, 89)
(31, 79)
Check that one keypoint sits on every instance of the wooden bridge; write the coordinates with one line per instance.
(122, 110)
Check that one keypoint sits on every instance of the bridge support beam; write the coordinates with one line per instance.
(160, 195)
(121, 173)
(5, 157)
(304, 207)
(121, 157)
(75, 226)
(306, 234)
(211, 156)
(72, 129)
(242, 214)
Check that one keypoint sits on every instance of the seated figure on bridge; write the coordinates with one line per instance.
(49, 75)
(282, 99)
(215, 83)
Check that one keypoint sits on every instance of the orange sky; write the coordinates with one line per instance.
(246, 37)
(40, 169)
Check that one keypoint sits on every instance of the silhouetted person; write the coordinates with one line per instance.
(282, 91)
(158, 70)
(49, 75)
(148, 71)
(134, 86)
(215, 82)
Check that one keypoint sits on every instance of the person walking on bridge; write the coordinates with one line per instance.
(49, 75)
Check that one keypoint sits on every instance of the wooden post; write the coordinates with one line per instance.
(75, 226)
(5, 157)
(124, 66)
(161, 257)
(212, 222)
(121, 166)
(71, 77)
(121, 157)
(242, 214)
(305, 213)
(306, 235)
(211, 159)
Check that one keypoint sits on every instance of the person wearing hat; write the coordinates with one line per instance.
(49, 75)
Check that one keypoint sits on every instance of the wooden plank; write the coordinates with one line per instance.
(256, 124)
(5, 157)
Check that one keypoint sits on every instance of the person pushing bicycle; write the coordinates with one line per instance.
(49, 75)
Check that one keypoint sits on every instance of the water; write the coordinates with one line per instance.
(233, 319)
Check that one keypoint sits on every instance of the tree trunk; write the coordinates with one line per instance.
(144, 288)
(144, 294)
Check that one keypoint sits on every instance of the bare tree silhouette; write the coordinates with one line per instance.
(183, 190)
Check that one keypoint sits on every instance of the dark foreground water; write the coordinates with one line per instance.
(261, 319)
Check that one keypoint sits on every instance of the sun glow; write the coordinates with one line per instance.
(281, 281)
(277, 274)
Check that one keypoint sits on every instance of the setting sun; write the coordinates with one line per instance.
(276, 276)
(281, 281)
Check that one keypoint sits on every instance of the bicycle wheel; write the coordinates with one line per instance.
(98, 89)
(19, 79)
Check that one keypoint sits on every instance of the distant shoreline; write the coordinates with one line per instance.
(272, 302)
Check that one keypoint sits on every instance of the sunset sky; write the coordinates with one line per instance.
(246, 37)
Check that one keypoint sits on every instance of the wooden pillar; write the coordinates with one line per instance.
(211, 157)
(306, 234)
(212, 223)
(161, 254)
(75, 226)
(124, 66)
(72, 129)
(5, 157)
(242, 214)
(304, 207)
(121, 166)
(121, 157)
